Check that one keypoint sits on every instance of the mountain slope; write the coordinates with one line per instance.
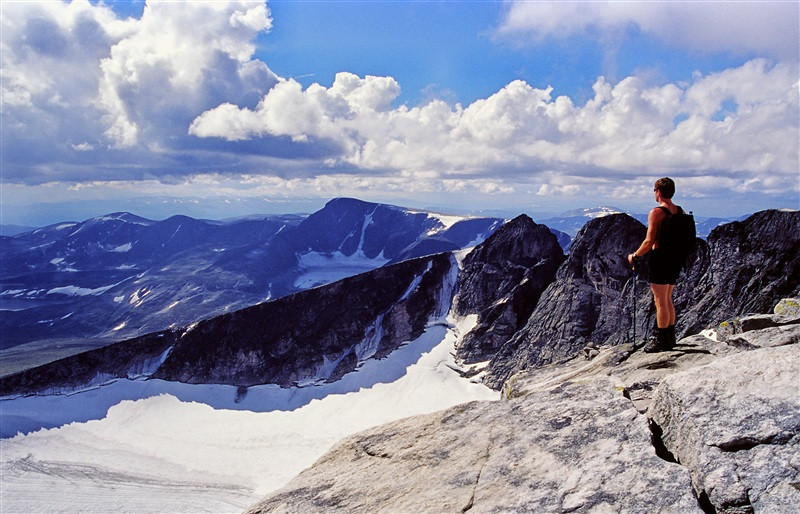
(73, 286)
(313, 336)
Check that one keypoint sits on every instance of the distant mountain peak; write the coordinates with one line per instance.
(125, 217)
(592, 212)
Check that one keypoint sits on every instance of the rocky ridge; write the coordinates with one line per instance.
(710, 427)
(310, 337)
(586, 302)
(743, 267)
(501, 281)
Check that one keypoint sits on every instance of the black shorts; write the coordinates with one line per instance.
(663, 269)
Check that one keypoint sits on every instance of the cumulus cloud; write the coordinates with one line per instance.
(181, 57)
(767, 28)
(87, 96)
(743, 120)
(78, 82)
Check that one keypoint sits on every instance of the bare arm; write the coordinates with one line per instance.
(653, 221)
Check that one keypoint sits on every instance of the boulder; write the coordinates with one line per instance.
(788, 307)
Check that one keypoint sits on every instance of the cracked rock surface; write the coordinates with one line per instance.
(711, 427)
(577, 447)
(735, 424)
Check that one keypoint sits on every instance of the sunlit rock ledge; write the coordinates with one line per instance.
(713, 426)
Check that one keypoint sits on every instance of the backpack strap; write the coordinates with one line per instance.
(660, 225)
(666, 210)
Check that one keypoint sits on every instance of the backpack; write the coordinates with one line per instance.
(677, 235)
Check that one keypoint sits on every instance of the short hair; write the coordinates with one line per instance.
(666, 187)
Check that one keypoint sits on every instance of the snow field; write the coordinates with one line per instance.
(319, 268)
(166, 447)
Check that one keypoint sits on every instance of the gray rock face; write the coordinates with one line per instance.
(588, 302)
(735, 424)
(710, 427)
(580, 447)
(750, 266)
(746, 267)
(501, 281)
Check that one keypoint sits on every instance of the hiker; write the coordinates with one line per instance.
(664, 266)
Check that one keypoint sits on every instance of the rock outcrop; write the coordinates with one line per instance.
(735, 424)
(750, 265)
(578, 448)
(744, 267)
(711, 427)
(501, 281)
(585, 304)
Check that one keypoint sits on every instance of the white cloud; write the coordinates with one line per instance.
(76, 77)
(178, 54)
(766, 28)
(625, 129)
(85, 94)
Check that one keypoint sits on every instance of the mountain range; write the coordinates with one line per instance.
(534, 306)
(73, 286)
(530, 308)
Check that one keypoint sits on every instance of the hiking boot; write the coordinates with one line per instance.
(671, 339)
(659, 342)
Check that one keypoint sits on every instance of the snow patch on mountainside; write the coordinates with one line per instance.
(446, 221)
(323, 268)
(122, 248)
(79, 291)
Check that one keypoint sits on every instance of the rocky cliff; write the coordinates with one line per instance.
(585, 303)
(710, 428)
(744, 267)
(501, 281)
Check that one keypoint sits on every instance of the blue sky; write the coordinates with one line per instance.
(219, 109)
(451, 49)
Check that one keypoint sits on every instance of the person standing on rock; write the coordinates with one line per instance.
(664, 267)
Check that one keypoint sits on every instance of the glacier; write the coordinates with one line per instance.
(155, 446)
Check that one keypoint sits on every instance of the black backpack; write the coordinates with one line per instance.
(677, 235)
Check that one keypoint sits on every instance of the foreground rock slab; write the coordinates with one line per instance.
(735, 424)
(711, 426)
(579, 447)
